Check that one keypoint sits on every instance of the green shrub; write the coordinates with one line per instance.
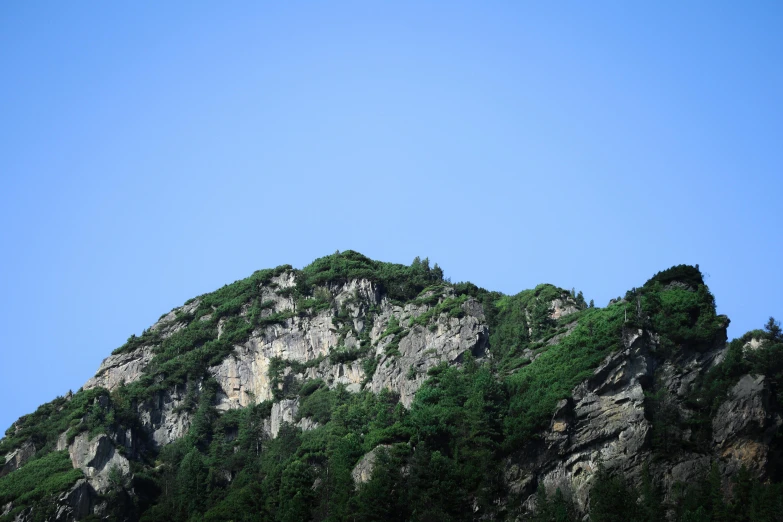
(39, 478)
(443, 457)
(311, 386)
(342, 355)
(317, 405)
(689, 275)
(451, 306)
(535, 389)
(369, 365)
(82, 412)
(400, 283)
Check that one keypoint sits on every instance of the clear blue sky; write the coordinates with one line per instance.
(151, 153)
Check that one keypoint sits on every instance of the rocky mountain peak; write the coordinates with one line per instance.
(323, 375)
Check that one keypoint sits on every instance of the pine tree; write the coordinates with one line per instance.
(611, 500)
(716, 494)
(773, 330)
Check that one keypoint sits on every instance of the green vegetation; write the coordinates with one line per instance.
(461, 423)
(397, 332)
(37, 480)
(451, 307)
(520, 319)
(399, 282)
(369, 365)
(536, 388)
(613, 498)
(442, 459)
(682, 316)
(92, 410)
(711, 391)
(223, 319)
(287, 386)
(342, 355)
(685, 274)
(235, 472)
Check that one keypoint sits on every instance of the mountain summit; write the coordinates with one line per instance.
(354, 389)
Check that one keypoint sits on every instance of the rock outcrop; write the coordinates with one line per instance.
(305, 344)
(604, 422)
(164, 418)
(17, 458)
(608, 421)
(745, 425)
(78, 502)
(448, 339)
(125, 368)
(99, 459)
(350, 335)
(362, 472)
(121, 368)
(244, 376)
(286, 411)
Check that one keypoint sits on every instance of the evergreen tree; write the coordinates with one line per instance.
(611, 500)
(717, 505)
(191, 485)
(554, 508)
(383, 496)
(773, 330)
(651, 508)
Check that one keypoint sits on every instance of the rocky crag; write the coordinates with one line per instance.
(650, 391)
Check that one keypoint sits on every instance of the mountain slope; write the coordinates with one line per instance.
(359, 389)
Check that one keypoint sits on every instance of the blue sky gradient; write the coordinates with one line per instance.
(151, 153)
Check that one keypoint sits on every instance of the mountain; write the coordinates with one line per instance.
(354, 389)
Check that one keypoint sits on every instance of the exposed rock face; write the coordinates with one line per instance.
(607, 421)
(97, 458)
(62, 441)
(362, 472)
(286, 411)
(283, 411)
(244, 377)
(350, 374)
(688, 469)
(129, 367)
(357, 338)
(562, 307)
(121, 368)
(744, 425)
(307, 339)
(743, 411)
(168, 324)
(77, 503)
(424, 347)
(603, 422)
(17, 458)
(164, 419)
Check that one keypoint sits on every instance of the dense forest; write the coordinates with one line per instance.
(447, 455)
